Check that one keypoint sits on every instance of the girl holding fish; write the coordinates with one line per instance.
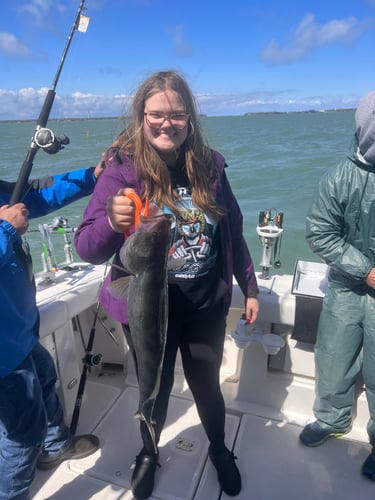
(162, 156)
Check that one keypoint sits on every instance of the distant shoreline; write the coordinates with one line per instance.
(344, 110)
(249, 113)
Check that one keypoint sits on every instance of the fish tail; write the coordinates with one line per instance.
(140, 416)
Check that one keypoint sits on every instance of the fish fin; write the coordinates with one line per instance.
(120, 288)
(175, 263)
(149, 424)
(139, 416)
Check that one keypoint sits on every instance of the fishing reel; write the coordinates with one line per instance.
(58, 222)
(92, 359)
(270, 231)
(45, 139)
(60, 225)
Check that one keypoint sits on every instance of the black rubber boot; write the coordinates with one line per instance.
(227, 472)
(143, 476)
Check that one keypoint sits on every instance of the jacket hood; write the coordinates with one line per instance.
(365, 128)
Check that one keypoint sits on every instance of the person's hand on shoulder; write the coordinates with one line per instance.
(17, 215)
(100, 167)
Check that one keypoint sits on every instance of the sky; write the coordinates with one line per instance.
(238, 56)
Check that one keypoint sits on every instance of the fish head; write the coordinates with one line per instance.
(149, 244)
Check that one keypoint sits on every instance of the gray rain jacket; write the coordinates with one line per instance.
(340, 226)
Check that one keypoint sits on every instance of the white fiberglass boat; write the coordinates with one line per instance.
(267, 381)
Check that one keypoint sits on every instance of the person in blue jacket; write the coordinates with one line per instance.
(32, 428)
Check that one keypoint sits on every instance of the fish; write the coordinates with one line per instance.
(144, 255)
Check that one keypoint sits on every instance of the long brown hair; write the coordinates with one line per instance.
(198, 160)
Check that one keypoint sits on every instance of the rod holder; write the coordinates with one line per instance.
(246, 333)
(269, 236)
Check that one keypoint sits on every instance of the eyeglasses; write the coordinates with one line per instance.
(177, 120)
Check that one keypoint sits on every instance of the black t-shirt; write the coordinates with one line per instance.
(195, 239)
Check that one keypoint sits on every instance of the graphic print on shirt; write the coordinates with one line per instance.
(192, 236)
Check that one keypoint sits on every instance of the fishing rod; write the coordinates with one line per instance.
(43, 137)
(89, 361)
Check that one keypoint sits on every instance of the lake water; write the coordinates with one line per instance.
(275, 161)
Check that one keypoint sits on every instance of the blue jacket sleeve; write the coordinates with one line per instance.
(8, 236)
(47, 194)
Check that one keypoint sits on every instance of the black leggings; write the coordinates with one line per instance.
(199, 335)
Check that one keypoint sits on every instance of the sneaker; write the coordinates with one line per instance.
(80, 447)
(314, 435)
(142, 482)
(368, 467)
(227, 472)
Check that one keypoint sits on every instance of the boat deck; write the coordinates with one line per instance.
(268, 399)
(272, 462)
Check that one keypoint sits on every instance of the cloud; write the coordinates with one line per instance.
(265, 102)
(182, 48)
(40, 13)
(26, 103)
(309, 36)
(110, 71)
(40, 9)
(237, 104)
(11, 46)
(23, 104)
(81, 105)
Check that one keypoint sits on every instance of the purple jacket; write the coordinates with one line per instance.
(96, 242)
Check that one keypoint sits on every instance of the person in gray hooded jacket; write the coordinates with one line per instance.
(340, 228)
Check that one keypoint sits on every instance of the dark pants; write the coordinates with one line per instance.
(199, 334)
(31, 421)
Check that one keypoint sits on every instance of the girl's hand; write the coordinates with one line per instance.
(121, 211)
(252, 309)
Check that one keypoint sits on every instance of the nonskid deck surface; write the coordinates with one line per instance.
(107, 473)
(279, 466)
(272, 462)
